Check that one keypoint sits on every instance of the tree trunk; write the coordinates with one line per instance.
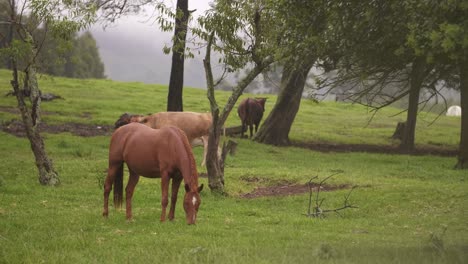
(417, 78)
(176, 80)
(463, 150)
(399, 131)
(31, 120)
(215, 165)
(276, 127)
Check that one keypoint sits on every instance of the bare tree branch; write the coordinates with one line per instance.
(317, 210)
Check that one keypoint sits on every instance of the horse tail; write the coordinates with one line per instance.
(118, 187)
(248, 118)
(188, 150)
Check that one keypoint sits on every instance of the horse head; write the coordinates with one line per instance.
(192, 202)
(126, 118)
(261, 101)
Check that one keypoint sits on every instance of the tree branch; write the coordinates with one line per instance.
(317, 209)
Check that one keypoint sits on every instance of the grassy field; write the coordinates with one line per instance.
(412, 209)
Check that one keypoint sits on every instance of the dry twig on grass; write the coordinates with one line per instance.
(317, 210)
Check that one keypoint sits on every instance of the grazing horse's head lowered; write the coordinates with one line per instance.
(154, 153)
(192, 203)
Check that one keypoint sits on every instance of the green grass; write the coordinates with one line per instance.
(405, 202)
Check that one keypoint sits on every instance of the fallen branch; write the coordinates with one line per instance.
(317, 211)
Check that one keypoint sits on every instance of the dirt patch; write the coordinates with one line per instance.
(16, 111)
(384, 149)
(291, 189)
(282, 187)
(16, 128)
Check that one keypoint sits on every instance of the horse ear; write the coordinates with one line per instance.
(200, 188)
(187, 188)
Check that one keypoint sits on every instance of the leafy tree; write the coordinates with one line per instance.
(440, 34)
(300, 34)
(84, 60)
(374, 59)
(240, 31)
(411, 44)
(55, 57)
(61, 20)
(77, 58)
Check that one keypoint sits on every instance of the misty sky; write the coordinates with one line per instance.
(131, 50)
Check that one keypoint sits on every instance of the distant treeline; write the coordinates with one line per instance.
(80, 58)
(76, 58)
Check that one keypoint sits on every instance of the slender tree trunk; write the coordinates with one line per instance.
(214, 165)
(417, 78)
(463, 150)
(31, 120)
(276, 127)
(176, 81)
(31, 116)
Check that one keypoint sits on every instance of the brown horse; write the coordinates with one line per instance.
(154, 153)
(250, 112)
(195, 125)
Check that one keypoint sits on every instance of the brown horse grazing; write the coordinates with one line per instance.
(250, 112)
(154, 153)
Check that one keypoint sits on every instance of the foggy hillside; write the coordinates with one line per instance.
(131, 50)
(136, 55)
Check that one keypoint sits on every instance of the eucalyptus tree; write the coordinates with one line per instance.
(241, 32)
(61, 19)
(376, 60)
(300, 33)
(440, 33)
(405, 45)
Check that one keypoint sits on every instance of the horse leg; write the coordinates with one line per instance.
(205, 149)
(132, 182)
(244, 128)
(111, 173)
(176, 180)
(250, 130)
(164, 193)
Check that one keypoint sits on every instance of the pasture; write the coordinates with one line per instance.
(412, 208)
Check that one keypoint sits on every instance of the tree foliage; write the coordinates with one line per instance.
(59, 19)
(79, 58)
(238, 31)
(59, 54)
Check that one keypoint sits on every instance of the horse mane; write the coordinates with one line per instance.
(188, 149)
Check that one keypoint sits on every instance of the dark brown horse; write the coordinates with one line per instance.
(154, 153)
(250, 111)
